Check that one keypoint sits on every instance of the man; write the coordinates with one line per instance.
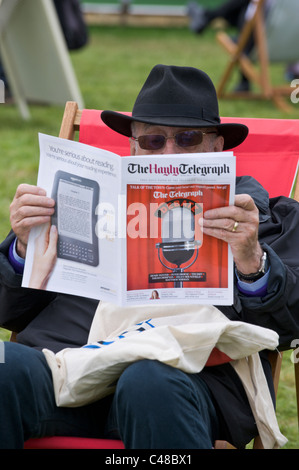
(154, 406)
(232, 11)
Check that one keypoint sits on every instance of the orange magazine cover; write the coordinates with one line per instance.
(185, 257)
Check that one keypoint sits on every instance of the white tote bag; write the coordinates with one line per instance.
(180, 336)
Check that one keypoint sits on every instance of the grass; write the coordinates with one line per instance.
(286, 403)
(110, 70)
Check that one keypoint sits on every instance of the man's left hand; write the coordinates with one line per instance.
(237, 225)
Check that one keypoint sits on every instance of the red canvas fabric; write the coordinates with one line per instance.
(94, 132)
(62, 442)
(270, 153)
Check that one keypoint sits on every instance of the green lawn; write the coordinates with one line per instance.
(110, 70)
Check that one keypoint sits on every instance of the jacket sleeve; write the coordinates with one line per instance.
(279, 308)
(18, 305)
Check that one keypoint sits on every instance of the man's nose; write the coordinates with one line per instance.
(170, 146)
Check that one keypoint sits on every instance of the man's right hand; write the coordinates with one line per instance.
(30, 207)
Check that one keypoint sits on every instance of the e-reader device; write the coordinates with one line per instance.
(76, 199)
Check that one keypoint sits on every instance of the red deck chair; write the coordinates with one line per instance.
(270, 154)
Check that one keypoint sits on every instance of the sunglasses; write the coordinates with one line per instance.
(182, 139)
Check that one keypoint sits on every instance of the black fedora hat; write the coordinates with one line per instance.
(177, 97)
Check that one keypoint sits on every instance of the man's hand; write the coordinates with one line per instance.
(241, 236)
(29, 208)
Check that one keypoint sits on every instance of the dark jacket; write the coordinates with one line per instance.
(55, 321)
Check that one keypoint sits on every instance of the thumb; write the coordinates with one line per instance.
(53, 237)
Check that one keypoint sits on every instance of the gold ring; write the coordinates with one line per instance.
(235, 226)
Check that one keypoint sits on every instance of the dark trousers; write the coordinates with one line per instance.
(154, 406)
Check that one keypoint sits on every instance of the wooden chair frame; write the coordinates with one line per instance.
(259, 76)
(69, 126)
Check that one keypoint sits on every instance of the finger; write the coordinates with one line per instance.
(29, 199)
(27, 206)
(224, 224)
(28, 211)
(225, 235)
(25, 188)
(29, 195)
(24, 220)
(243, 210)
(232, 229)
(21, 228)
(245, 202)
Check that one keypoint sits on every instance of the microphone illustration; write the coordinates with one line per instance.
(178, 245)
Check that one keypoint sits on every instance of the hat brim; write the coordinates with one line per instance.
(233, 133)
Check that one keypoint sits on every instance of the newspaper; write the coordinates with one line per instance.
(129, 228)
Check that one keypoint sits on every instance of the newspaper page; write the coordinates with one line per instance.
(129, 228)
(85, 183)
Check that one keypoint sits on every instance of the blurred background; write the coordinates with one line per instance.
(111, 48)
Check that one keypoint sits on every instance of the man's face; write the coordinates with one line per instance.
(210, 142)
